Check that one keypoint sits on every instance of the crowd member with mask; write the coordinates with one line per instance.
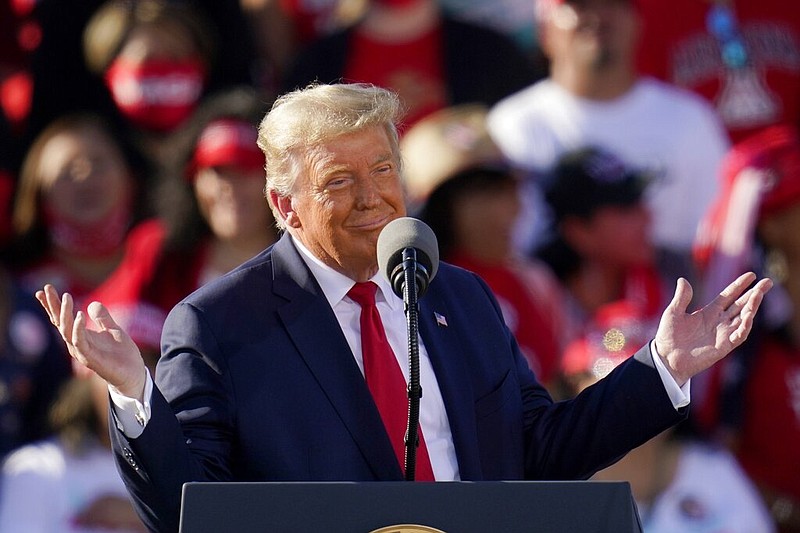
(155, 59)
(60, 79)
(80, 192)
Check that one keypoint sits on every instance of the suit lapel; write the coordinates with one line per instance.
(445, 350)
(312, 326)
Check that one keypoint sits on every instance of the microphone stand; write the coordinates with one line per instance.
(411, 307)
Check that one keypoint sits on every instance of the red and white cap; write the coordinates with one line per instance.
(227, 142)
(760, 177)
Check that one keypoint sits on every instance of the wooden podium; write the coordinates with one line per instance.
(454, 507)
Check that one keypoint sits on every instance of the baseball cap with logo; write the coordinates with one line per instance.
(227, 141)
(590, 178)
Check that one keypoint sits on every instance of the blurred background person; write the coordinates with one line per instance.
(155, 58)
(458, 184)
(753, 401)
(276, 36)
(310, 20)
(600, 246)
(742, 56)
(68, 482)
(81, 192)
(282, 28)
(33, 365)
(678, 483)
(64, 81)
(514, 18)
(412, 47)
(595, 97)
(213, 212)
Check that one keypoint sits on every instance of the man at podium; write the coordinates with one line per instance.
(262, 373)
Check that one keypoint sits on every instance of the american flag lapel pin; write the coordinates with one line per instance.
(441, 321)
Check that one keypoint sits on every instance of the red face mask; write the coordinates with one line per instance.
(97, 239)
(158, 94)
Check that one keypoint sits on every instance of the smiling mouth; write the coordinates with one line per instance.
(371, 225)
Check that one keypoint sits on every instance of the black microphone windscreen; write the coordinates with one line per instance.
(407, 232)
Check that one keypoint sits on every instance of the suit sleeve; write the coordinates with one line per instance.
(189, 437)
(573, 439)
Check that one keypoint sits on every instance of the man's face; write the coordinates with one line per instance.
(592, 33)
(348, 191)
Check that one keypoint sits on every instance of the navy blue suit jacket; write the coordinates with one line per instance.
(257, 383)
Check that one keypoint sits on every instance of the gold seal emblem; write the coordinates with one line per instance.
(407, 528)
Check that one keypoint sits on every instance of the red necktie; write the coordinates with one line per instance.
(385, 379)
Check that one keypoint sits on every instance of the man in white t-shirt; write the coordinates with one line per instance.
(594, 97)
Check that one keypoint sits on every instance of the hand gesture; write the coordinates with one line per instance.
(109, 350)
(689, 343)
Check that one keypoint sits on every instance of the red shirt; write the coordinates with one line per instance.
(679, 46)
(530, 301)
(414, 69)
(770, 439)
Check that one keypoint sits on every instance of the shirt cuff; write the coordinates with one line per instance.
(130, 414)
(679, 396)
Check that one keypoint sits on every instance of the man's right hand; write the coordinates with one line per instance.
(109, 350)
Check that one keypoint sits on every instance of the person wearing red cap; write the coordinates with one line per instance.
(753, 400)
(214, 214)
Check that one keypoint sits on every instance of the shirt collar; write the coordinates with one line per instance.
(335, 285)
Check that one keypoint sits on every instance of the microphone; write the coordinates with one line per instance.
(408, 256)
(408, 245)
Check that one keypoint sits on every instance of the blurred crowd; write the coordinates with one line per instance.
(580, 155)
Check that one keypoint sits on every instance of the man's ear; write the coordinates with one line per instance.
(285, 208)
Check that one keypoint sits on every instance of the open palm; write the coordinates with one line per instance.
(107, 350)
(692, 342)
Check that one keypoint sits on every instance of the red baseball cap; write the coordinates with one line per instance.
(227, 142)
(775, 152)
(760, 177)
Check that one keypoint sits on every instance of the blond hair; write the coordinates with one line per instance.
(318, 113)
